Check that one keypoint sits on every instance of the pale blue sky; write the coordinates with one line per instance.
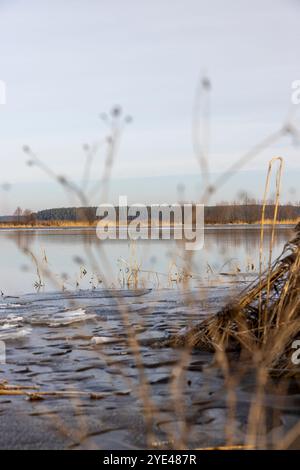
(65, 62)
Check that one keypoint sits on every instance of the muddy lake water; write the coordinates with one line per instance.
(72, 345)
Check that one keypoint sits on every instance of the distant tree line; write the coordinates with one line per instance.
(74, 214)
(248, 213)
(219, 214)
(224, 213)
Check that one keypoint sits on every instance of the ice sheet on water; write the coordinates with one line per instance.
(11, 327)
(11, 319)
(60, 318)
(9, 305)
(11, 331)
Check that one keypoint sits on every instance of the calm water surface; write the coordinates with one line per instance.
(75, 258)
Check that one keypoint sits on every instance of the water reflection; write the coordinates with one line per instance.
(77, 259)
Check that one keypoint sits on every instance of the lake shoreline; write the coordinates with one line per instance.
(279, 225)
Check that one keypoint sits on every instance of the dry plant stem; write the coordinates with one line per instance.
(256, 419)
(263, 313)
(67, 185)
(231, 382)
(289, 438)
(201, 125)
(91, 152)
(177, 393)
(240, 163)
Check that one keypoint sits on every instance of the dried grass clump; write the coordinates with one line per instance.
(265, 317)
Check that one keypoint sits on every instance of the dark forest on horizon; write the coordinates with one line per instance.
(218, 214)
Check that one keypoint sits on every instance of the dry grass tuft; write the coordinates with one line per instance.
(254, 322)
